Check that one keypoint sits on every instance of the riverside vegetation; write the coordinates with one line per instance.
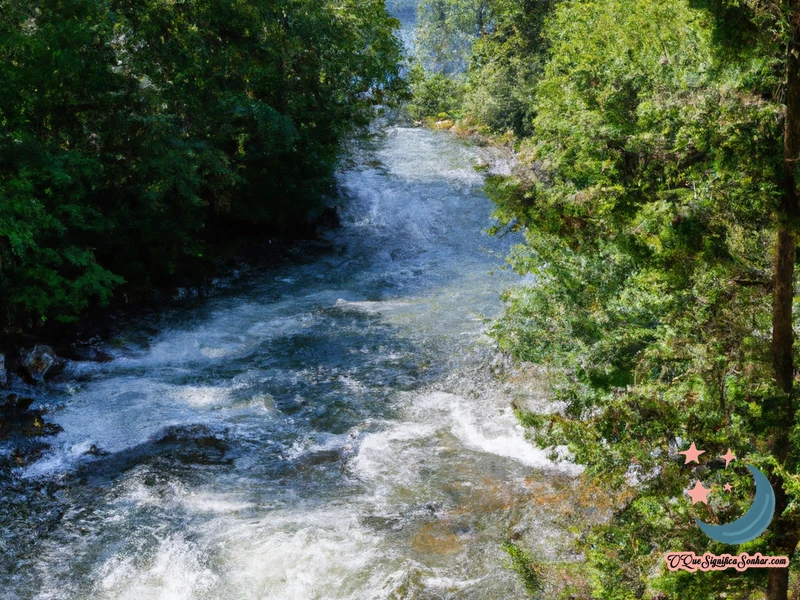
(657, 192)
(137, 137)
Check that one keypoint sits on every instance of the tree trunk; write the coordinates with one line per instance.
(785, 535)
(782, 332)
(778, 584)
(785, 541)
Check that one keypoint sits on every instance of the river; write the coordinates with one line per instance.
(326, 429)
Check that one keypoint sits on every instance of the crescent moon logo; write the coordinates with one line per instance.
(753, 523)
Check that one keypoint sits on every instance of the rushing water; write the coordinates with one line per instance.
(328, 429)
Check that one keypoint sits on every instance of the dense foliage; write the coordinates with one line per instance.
(654, 193)
(134, 134)
(479, 59)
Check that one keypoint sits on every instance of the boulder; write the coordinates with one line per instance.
(14, 406)
(18, 420)
(3, 371)
(37, 362)
(88, 354)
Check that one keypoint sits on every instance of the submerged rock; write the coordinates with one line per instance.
(36, 363)
(290, 404)
(95, 451)
(320, 457)
(190, 433)
(192, 444)
(89, 354)
(14, 406)
(3, 371)
(23, 426)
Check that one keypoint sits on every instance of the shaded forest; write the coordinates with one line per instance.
(137, 137)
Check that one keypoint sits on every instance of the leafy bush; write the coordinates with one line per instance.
(434, 95)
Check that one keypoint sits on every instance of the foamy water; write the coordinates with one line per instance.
(324, 430)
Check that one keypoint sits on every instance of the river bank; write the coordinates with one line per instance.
(230, 261)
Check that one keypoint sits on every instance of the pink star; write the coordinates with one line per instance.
(698, 494)
(728, 487)
(729, 457)
(692, 454)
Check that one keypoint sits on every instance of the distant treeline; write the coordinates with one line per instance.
(135, 135)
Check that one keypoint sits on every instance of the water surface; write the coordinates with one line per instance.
(324, 430)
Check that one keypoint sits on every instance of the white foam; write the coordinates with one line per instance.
(479, 426)
(421, 155)
(483, 427)
(201, 396)
(450, 583)
(206, 502)
(177, 571)
(324, 554)
(373, 307)
(317, 443)
(502, 437)
(81, 448)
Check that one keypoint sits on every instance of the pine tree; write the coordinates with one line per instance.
(660, 215)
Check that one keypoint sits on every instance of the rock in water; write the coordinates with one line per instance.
(3, 372)
(88, 354)
(37, 362)
(14, 406)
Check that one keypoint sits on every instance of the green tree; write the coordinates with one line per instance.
(434, 95)
(51, 175)
(660, 216)
(505, 65)
(446, 30)
(134, 135)
(480, 60)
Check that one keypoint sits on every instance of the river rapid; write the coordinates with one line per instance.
(327, 429)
